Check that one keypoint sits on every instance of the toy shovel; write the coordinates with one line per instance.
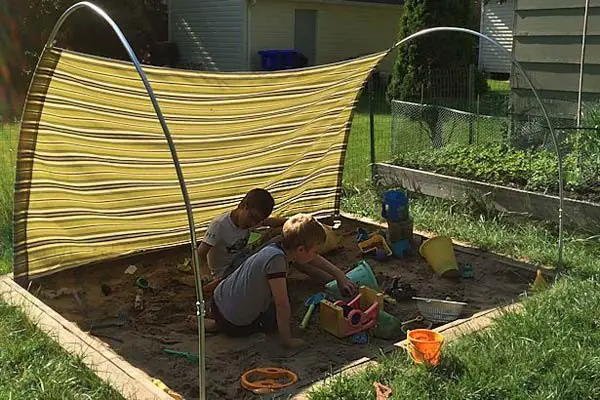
(188, 356)
(311, 303)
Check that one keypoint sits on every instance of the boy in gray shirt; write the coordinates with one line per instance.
(255, 297)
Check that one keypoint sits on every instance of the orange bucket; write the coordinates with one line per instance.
(425, 345)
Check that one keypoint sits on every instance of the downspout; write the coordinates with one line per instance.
(582, 61)
(169, 24)
(481, 23)
(249, 5)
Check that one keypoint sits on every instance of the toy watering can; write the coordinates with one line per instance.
(394, 206)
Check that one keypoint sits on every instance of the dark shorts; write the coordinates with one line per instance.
(266, 322)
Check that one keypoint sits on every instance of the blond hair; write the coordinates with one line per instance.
(302, 230)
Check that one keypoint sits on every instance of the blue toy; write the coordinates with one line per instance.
(360, 338)
(394, 206)
(381, 254)
(361, 235)
(467, 272)
(400, 247)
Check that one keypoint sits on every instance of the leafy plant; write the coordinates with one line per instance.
(505, 165)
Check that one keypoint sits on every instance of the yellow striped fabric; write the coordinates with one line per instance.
(95, 179)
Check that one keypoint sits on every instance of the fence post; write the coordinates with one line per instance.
(477, 120)
(371, 125)
(471, 90)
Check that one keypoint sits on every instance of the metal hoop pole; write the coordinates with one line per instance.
(537, 97)
(199, 298)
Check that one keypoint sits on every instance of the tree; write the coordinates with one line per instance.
(444, 50)
(30, 22)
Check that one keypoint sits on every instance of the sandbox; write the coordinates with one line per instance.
(100, 300)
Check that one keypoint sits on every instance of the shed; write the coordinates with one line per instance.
(547, 43)
(497, 23)
(226, 35)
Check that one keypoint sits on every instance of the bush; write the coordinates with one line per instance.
(29, 23)
(440, 51)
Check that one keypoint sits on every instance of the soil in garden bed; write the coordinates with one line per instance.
(105, 295)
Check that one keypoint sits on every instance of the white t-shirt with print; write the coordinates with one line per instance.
(227, 241)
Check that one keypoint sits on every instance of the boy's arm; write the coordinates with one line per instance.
(203, 249)
(346, 286)
(283, 311)
(210, 240)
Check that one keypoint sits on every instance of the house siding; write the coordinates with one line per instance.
(497, 23)
(343, 30)
(547, 41)
(210, 34)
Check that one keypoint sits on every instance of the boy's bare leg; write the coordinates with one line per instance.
(315, 273)
(210, 325)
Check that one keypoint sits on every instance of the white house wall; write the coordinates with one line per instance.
(343, 30)
(497, 23)
(210, 34)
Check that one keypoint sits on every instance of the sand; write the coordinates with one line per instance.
(104, 294)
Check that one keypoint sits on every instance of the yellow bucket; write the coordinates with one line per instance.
(333, 241)
(439, 253)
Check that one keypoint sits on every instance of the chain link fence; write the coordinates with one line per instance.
(450, 129)
(417, 127)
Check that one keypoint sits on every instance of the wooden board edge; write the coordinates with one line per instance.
(577, 213)
(128, 380)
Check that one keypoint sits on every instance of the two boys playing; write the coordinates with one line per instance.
(253, 296)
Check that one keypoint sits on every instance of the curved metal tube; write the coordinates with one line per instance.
(537, 97)
(199, 298)
(200, 301)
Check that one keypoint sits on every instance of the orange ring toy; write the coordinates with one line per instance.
(269, 380)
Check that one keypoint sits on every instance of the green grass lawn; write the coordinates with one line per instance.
(33, 366)
(357, 164)
(8, 143)
(551, 351)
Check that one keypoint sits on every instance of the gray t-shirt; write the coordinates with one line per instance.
(227, 240)
(246, 293)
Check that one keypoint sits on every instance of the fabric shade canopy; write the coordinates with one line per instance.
(95, 179)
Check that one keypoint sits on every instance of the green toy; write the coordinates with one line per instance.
(188, 356)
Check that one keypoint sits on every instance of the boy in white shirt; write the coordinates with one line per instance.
(226, 238)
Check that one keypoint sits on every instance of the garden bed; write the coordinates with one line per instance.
(496, 164)
(576, 213)
(104, 293)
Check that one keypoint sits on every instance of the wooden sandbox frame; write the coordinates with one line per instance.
(135, 384)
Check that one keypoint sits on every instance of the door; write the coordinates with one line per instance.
(305, 34)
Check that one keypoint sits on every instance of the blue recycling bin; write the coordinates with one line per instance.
(272, 60)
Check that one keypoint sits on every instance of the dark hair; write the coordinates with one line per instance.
(259, 200)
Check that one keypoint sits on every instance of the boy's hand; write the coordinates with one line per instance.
(347, 287)
(206, 274)
(293, 343)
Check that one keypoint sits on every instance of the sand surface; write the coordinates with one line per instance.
(105, 295)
